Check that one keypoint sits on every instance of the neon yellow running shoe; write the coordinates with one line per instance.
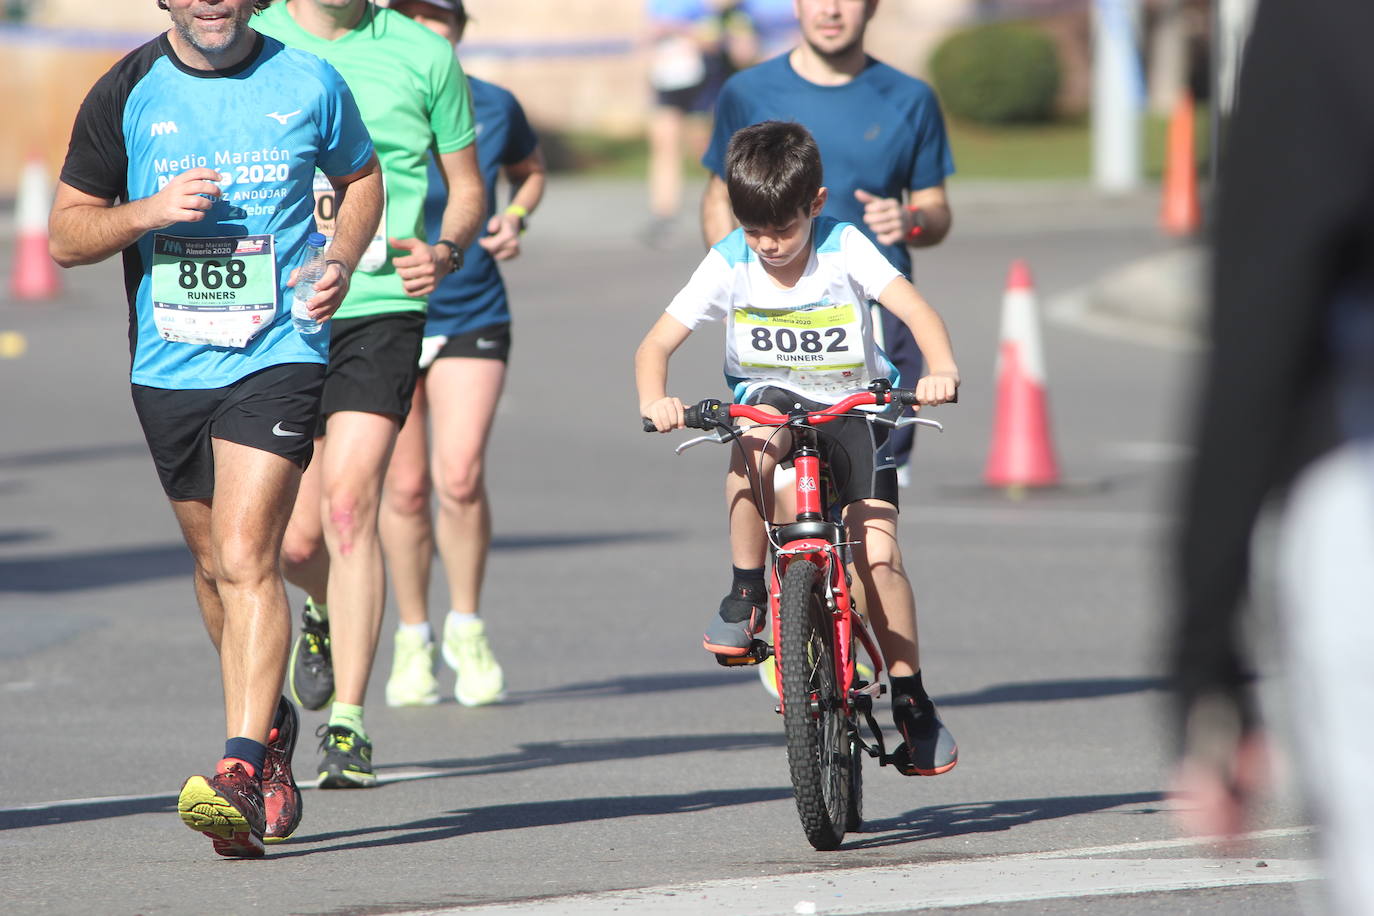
(412, 681)
(466, 651)
(768, 668)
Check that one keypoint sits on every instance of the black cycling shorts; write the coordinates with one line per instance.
(857, 453)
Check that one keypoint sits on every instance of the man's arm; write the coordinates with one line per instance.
(931, 207)
(424, 265)
(717, 217)
(892, 223)
(85, 229)
(359, 197)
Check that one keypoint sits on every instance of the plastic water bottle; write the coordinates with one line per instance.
(310, 273)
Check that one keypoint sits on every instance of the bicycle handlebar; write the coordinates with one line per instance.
(711, 414)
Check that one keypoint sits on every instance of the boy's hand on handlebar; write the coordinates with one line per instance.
(937, 388)
(667, 413)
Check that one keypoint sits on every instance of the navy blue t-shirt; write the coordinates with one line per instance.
(475, 297)
(882, 132)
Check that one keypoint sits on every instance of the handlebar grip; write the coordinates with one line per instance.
(704, 415)
(907, 398)
(649, 426)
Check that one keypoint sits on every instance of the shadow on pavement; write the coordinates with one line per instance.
(22, 536)
(94, 569)
(1040, 691)
(539, 754)
(522, 815)
(636, 683)
(95, 809)
(944, 821)
(584, 539)
(74, 455)
(536, 755)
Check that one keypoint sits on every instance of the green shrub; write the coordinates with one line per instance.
(997, 74)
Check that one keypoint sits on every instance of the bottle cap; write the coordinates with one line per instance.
(315, 239)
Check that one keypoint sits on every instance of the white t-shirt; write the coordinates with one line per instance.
(815, 339)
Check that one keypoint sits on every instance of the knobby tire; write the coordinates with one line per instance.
(818, 736)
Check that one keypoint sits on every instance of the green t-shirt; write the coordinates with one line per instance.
(413, 98)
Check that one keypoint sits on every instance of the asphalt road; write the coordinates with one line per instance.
(625, 758)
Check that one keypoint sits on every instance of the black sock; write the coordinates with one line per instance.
(247, 750)
(912, 687)
(748, 580)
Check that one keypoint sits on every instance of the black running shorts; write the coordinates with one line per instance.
(274, 409)
(373, 363)
(857, 453)
(491, 342)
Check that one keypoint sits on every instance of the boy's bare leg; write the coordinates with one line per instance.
(886, 588)
(748, 540)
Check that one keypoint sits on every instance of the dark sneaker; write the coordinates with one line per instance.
(227, 808)
(742, 613)
(281, 799)
(928, 749)
(347, 762)
(311, 671)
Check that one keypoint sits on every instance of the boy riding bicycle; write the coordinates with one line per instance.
(794, 289)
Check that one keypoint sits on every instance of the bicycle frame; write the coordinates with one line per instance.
(812, 537)
(824, 739)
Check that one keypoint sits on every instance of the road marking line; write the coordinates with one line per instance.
(1011, 878)
(405, 775)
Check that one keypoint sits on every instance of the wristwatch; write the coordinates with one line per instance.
(918, 223)
(455, 255)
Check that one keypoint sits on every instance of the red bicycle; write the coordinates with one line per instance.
(816, 630)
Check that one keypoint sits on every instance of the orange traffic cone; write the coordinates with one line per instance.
(1179, 211)
(35, 274)
(1022, 454)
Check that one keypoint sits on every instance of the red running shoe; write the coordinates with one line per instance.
(281, 798)
(227, 808)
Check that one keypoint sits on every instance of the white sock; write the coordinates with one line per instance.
(457, 619)
(417, 629)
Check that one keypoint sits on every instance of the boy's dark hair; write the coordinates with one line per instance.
(772, 170)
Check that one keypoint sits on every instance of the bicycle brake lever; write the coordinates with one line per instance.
(899, 422)
(720, 438)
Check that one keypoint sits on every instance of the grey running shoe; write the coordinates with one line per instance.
(928, 748)
(311, 671)
(742, 614)
(347, 762)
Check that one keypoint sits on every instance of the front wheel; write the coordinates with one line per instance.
(819, 754)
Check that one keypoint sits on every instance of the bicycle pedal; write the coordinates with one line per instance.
(757, 653)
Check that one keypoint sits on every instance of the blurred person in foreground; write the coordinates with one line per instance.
(1288, 411)
(462, 371)
(211, 212)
